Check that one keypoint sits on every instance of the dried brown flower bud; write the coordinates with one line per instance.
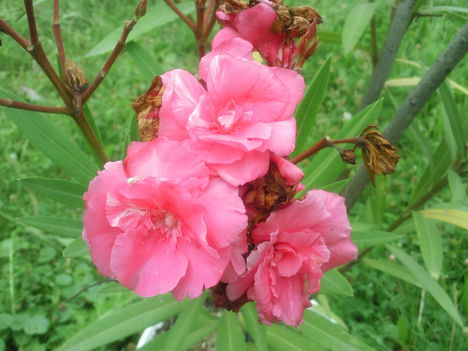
(298, 27)
(307, 12)
(380, 156)
(267, 194)
(140, 10)
(74, 77)
(147, 108)
(348, 156)
(232, 6)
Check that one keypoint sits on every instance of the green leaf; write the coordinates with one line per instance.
(333, 282)
(64, 227)
(447, 9)
(123, 322)
(230, 336)
(453, 123)
(373, 238)
(62, 191)
(430, 244)
(433, 173)
(282, 338)
(330, 37)
(157, 16)
(327, 164)
(330, 335)
(455, 217)
(428, 283)
(256, 330)
(51, 141)
(197, 335)
(184, 323)
(143, 60)
(310, 105)
(336, 187)
(36, 325)
(393, 269)
(76, 248)
(357, 21)
(457, 188)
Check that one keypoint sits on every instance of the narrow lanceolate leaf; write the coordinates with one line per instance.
(430, 244)
(310, 105)
(327, 164)
(428, 283)
(433, 173)
(456, 217)
(62, 191)
(76, 248)
(453, 123)
(457, 188)
(63, 227)
(372, 238)
(54, 143)
(256, 330)
(146, 64)
(330, 335)
(156, 16)
(282, 338)
(333, 282)
(356, 22)
(123, 322)
(184, 324)
(201, 331)
(230, 336)
(393, 269)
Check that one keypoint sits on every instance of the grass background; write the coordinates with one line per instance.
(36, 281)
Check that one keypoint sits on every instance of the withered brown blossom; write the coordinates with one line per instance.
(147, 108)
(380, 156)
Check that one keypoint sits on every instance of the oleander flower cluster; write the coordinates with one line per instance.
(207, 199)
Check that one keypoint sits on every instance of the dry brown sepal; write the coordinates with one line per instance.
(380, 156)
(147, 108)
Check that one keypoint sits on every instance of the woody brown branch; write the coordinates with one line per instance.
(110, 61)
(58, 37)
(179, 13)
(33, 107)
(7, 29)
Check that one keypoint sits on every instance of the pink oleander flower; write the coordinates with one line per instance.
(159, 221)
(294, 247)
(239, 114)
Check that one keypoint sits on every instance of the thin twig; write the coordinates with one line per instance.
(7, 29)
(179, 13)
(37, 52)
(323, 143)
(209, 18)
(436, 74)
(33, 34)
(110, 61)
(58, 37)
(32, 107)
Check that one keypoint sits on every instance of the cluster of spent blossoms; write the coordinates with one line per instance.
(206, 200)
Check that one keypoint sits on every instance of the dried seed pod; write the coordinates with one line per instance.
(74, 77)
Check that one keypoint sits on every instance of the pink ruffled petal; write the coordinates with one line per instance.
(147, 264)
(283, 137)
(254, 165)
(225, 213)
(288, 170)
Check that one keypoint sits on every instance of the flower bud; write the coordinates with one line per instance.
(140, 10)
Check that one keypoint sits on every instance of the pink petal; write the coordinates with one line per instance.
(289, 265)
(148, 264)
(204, 270)
(252, 166)
(181, 95)
(225, 213)
(288, 170)
(283, 137)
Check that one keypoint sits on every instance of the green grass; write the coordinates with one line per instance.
(37, 281)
